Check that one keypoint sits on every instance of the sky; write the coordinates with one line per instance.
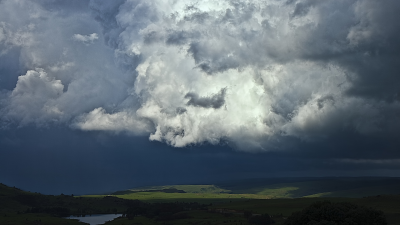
(99, 96)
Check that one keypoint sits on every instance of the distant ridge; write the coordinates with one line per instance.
(289, 187)
(176, 189)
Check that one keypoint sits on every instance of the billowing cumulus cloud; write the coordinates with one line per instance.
(246, 73)
(31, 98)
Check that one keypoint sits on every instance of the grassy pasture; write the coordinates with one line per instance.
(204, 198)
(278, 188)
(185, 188)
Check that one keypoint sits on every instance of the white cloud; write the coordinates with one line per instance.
(83, 78)
(32, 97)
(98, 119)
(87, 39)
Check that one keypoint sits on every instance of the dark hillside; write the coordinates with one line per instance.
(316, 187)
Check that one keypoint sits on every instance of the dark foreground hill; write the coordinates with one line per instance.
(22, 207)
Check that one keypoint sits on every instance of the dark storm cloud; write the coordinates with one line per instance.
(180, 110)
(177, 38)
(211, 63)
(9, 69)
(215, 101)
(59, 160)
(324, 99)
(65, 7)
(301, 9)
(105, 13)
(197, 17)
(364, 41)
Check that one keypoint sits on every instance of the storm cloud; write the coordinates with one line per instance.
(215, 101)
(249, 74)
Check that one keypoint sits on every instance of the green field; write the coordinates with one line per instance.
(185, 188)
(205, 198)
(267, 189)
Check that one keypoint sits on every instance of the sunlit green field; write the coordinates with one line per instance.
(185, 188)
(354, 188)
(185, 197)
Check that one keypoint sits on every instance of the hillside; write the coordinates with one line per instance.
(283, 188)
(176, 189)
(328, 187)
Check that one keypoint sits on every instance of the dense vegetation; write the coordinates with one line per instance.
(343, 213)
(162, 211)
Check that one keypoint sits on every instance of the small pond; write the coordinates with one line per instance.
(95, 219)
